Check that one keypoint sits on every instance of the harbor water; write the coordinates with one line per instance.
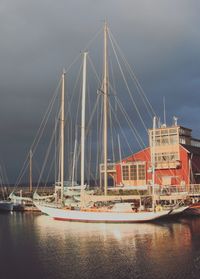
(35, 246)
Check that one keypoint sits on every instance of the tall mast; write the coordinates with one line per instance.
(30, 172)
(105, 122)
(83, 121)
(153, 161)
(62, 123)
(74, 162)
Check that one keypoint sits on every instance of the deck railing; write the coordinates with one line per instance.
(192, 189)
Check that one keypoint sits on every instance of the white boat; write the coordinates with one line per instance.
(88, 211)
(104, 215)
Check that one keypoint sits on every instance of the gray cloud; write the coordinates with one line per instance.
(160, 38)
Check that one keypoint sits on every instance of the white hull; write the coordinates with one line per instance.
(101, 216)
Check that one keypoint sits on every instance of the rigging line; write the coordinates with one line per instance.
(139, 87)
(150, 111)
(26, 166)
(85, 48)
(88, 147)
(128, 89)
(79, 97)
(44, 164)
(55, 151)
(122, 130)
(99, 129)
(37, 137)
(54, 160)
(44, 122)
(115, 105)
(4, 173)
(68, 111)
(111, 133)
(46, 158)
(146, 155)
(69, 117)
(101, 136)
(48, 175)
(91, 174)
(75, 86)
(98, 159)
(94, 70)
(114, 83)
(71, 104)
(93, 38)
(90, 120)
(1, 182)
(68, 147)
(101, 133)
(116, 134)
(131, 125)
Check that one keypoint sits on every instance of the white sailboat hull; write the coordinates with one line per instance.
(101, 216)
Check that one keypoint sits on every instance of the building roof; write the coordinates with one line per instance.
(191, 149)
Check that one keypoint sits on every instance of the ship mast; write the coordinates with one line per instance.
(30, 172)
(153, 162)
(83, 122)
(62, 123)
(105, 102)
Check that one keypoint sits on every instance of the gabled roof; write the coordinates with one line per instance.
(191, 149)
(135, 154)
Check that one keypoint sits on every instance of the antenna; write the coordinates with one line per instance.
(175, 120)
(164, 111)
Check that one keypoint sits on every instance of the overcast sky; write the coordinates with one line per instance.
(38, 38)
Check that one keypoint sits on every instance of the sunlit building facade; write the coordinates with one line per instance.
(173, 152)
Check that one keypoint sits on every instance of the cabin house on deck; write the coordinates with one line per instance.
(177, 160)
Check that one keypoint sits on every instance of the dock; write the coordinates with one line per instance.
(169, 194)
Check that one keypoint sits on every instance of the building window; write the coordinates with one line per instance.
(164, 137)
(134, 172)
(141, 172)
(125, 172)
(173, 139)
(165, 140)
(166, 157)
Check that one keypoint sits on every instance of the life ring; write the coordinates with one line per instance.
(158, 208)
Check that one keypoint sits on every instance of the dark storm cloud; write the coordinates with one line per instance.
(160, 38)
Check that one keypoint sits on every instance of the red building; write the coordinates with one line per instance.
(176, 155)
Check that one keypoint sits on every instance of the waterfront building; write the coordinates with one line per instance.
(176, 160)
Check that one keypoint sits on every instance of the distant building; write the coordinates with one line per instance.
(177, 160)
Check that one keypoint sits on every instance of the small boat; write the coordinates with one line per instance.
(6, 206)
(21, 203)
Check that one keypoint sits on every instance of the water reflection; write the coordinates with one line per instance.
(137, 248)
(39, 247)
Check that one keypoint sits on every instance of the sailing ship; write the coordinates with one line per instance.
(5, 204)
(93, 208)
